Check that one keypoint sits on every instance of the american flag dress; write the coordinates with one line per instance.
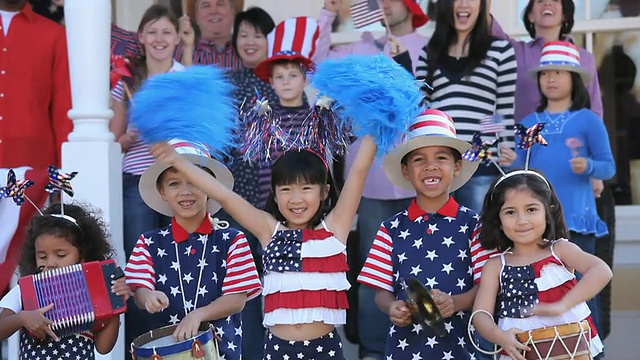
(194, 270)
(545, 281)
(435, 249)
(305, 281)
(72, 347)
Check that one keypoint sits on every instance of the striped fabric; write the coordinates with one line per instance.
(297, 35)
(487, 90)
(305, 278)
(479, 255)
(137, 159)
(206, 53)
(560, 53)
(366, 12)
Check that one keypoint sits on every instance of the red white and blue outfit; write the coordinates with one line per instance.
(305, 281)
(435, 249)
(194, 270)
(544, 281)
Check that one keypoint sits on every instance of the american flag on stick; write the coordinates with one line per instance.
(366, 12)
(492, 124)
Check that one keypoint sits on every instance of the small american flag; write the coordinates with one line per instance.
(366, 12)
(492, 124)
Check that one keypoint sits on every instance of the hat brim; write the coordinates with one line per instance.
(393, 167)
(586, 77)
(263, 70)
(419, 17)
(151, 196)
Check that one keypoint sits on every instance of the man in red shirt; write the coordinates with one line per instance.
(35, 93)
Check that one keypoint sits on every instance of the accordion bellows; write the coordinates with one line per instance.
(81, 295)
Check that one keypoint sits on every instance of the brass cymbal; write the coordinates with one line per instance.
(423, 308)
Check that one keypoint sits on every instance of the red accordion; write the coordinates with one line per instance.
(81, 295)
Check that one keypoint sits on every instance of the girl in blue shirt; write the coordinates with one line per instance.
(578, 144)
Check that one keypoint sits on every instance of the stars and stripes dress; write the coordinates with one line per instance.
(194, 270)
(435, 249)
(544, 281)
(305, 281)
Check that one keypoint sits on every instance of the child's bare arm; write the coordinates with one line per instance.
(220, 308)
(106, 338)
(34, 321)
(596, 274)
(340, 219)
(484, 303)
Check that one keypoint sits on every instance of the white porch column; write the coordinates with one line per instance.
(91, 149)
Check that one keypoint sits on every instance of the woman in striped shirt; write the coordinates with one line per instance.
(158, 34)
(469, 82)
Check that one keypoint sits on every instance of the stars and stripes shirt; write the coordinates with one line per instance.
(489, 89)
(479, 255)
(138, 158)
(435, 249)
(194, 270)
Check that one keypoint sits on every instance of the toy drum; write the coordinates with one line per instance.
(570, 341)
(159, 344)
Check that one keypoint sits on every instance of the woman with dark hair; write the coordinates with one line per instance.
(469, 82)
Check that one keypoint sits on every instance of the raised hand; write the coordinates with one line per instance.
(185, 30)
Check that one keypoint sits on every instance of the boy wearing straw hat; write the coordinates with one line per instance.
(197, 268)
(429, 241)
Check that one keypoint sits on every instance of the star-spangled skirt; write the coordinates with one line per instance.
(327, 347)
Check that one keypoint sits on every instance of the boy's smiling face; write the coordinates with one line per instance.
(186, 201)
(431, 170)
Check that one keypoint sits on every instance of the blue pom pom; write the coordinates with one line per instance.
(377, 95)
(194, 105)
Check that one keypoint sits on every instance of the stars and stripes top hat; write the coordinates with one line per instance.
(419, 17)
(294, 39)
(431, 128)
(195, 153)
(560, 55)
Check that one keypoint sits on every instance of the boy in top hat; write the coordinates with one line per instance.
(197, 268)
(291, 45)
(429, 241)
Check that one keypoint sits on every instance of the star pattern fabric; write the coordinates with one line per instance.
(544, 281)
(60, 181)
(73, 347)
(525, 138)
(326, 347)
(195, 271)
(435, 249)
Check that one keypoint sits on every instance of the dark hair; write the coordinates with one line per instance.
(153, 14)
(256, 17)
(580, 98)
(301, 166)
(285, 62)
(568, 11)
(455, 153)
(445, 35)
(492, 236)
(90, 236)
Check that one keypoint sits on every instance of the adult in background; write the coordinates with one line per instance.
(380, 197)
(546, 20)
(471, 76)
(249, 39)
(213, 19)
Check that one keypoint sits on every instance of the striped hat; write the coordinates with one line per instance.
(560, 55)
(431, 128)
(294, 39)
(195, 153)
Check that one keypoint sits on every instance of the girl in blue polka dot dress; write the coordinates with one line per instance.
(533, 277)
